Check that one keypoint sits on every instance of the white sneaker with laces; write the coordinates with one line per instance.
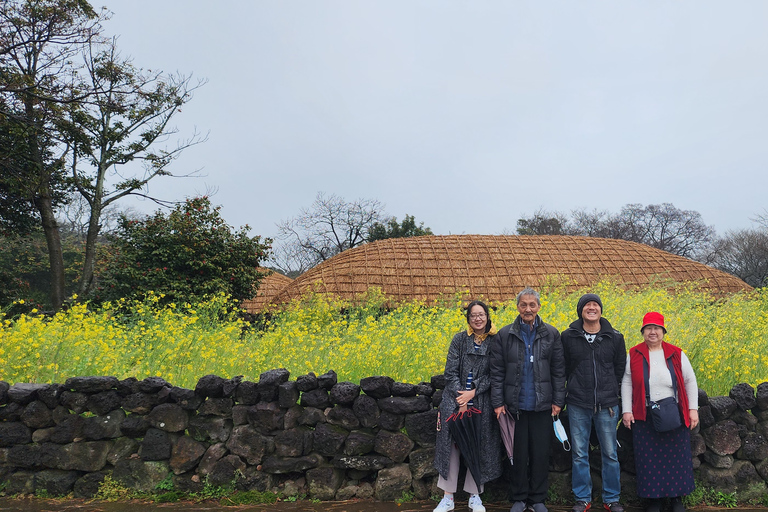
(445, 505)
(476, 504)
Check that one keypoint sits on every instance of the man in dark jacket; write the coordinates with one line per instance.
(595, 357)
(528, 381)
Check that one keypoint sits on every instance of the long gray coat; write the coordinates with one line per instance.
(461, 359)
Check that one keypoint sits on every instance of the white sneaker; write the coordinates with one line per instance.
(476, 504)
(445, 505)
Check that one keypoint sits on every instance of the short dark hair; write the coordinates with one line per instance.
(485, 308)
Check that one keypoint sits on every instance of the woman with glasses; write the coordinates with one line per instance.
(467, 384)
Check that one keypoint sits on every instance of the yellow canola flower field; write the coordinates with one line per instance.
(725, 339)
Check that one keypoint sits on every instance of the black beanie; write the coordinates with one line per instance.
(588, 297)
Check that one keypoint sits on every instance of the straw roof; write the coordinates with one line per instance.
(496, 268)
(270, 286)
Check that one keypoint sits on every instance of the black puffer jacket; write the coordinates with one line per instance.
(594, 370)
(548, 367)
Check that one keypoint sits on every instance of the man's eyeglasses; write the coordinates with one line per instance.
(477, 316)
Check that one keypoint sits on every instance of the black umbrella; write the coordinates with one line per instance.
(465, 428)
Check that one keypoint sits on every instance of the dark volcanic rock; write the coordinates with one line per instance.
(169, 417)
(56, 482)
(722, 407)
(153, 385)
(89, 456)
(67, 430)
(421, 427)
(186, 398)
(394, 445)
(424, 388)
(284, 465)
(91, 384)
(327, 380)
(323, 482)
(104, 402)
(293, 443)
(393, 422)
(343, 417)
(185, 455)
(37, 415)
(14, 433)
(377, 387)
(362, 462)
(135, 425)
(307, 382)
(140, 475)
(744, 396)
(344, 393)
(405, 405)
(392, 482)
(328, 439)
(50, 395)
(723, 438)
(216, 407)
(266, 416)
(438, 381)
(104, 427)
(287, 394)
(317, 398)
(403, 389)
(140, 403)
(210, 386)
(247, 443)
(367, 410)
(156, 445)
(76, 402)
(269, 381)
(359, 442)
(761, 396)
(210, 428)
(247, 393)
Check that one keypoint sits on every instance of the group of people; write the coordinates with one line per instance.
(530, 371)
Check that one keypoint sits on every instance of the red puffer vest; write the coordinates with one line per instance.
(637, 354)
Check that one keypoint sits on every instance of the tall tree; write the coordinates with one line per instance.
(185, 254)
(39, 43)
(543, 222)
(681, 232)
(125, 119)
(392, 229)
(743, 253)
(331, 225)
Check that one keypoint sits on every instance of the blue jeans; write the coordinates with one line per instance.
(605, 421)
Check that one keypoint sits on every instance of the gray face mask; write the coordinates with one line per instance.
(560, 433)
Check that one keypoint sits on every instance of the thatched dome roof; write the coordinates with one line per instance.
(270, 286)
(498, 267)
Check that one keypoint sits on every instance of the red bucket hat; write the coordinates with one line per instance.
(653, 318)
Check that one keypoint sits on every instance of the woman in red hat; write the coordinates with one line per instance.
(663, 460)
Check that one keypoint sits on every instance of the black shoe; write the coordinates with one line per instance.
(677, 504)
(654, 505)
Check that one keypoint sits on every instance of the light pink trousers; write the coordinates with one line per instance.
(451, 483)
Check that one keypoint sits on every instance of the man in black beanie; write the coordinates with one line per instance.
(595, 357)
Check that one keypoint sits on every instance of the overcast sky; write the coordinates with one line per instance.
(466, 114)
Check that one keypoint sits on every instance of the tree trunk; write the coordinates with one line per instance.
(86, 279)
(44, 205)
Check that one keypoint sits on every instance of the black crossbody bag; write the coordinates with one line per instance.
(665, 414)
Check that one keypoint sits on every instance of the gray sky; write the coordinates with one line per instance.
(467, 114)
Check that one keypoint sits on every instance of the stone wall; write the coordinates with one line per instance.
(312, 435)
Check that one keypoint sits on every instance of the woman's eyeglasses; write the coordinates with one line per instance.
(477, 316)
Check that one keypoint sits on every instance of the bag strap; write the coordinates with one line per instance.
(647, 385)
